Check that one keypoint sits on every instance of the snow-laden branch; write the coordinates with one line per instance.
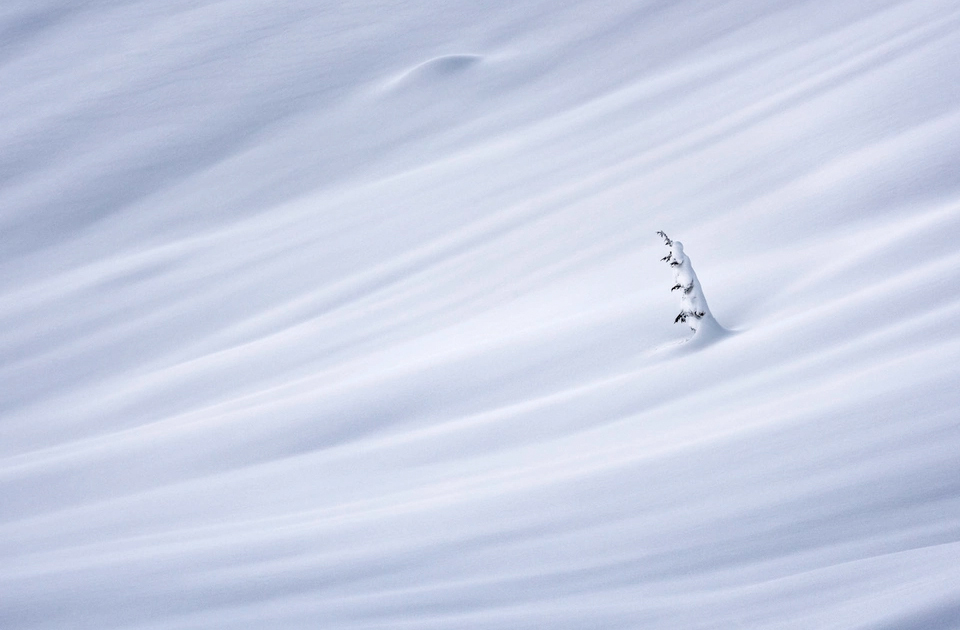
(694, 311)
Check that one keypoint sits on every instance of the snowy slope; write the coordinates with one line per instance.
(350, 315)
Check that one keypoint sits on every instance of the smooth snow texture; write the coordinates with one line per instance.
(349, 315)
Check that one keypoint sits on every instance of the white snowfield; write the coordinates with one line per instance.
(351, 315)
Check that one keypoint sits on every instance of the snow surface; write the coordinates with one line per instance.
(350, 315)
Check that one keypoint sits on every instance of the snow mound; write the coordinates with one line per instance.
(436, 70)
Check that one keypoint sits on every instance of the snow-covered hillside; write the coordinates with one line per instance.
(350, 315)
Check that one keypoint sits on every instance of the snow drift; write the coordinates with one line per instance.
(349, 315)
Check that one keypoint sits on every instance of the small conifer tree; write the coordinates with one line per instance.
(694, 311)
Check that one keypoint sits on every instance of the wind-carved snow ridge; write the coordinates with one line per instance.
(694, 311)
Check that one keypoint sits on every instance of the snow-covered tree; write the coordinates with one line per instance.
(694, 311)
